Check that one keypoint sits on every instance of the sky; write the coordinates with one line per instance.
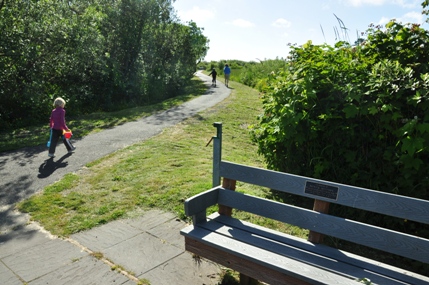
(255, 30)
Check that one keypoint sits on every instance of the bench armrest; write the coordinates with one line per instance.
(196, 205)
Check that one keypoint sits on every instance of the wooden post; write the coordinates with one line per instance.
(321, 207)
(230, 185)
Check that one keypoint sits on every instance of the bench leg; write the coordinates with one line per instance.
(228, 184)
(246, 280)
(321, 207)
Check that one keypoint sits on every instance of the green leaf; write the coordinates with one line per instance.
(423, 128)
(412, 145)
(386, 107)
(373, 110)
(351, 111)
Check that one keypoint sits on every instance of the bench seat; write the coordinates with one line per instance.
(269, 255)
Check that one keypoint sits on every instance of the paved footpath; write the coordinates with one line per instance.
(121, 252)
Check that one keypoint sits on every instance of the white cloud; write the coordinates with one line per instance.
(402, 3)
(363, 2)
(412, 17)
(242, 23)
(408, 3)
(383, 21)
(282, 23)
(357, 3)
(197, 15)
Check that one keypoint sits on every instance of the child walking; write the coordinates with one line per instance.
(213, 74)
(58, 125)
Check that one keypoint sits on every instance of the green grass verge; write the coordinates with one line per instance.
(95, 122)
(158, 173)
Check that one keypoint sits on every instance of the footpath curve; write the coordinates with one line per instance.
(149, 247)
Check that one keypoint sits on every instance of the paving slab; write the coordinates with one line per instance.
(39, 260)
(21, 239)
(170, 232)
(103, 237)
(141, 253)
(7, 277)
(150, 219)
(85, 271)
(150, 247)
(10, 219)
(184, 270)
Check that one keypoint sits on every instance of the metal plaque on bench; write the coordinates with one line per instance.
(321, 190)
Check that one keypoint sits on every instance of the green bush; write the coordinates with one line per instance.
(353, 114)
(356, 115)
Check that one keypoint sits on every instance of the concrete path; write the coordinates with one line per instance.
(121, 252)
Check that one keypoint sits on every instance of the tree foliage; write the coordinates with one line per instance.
(353, 114)
(97, 54)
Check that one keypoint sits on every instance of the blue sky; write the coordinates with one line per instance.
(261, 29)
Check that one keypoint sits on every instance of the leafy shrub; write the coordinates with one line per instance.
(353, 114)
(357, 115)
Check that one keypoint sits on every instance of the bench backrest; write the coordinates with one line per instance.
(375, 201)
(407, 208)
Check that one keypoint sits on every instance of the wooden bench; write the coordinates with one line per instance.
(259, 253)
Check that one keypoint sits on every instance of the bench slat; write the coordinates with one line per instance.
(297, 269)
(368, 235)
(218, 221)
(246, 267)
(200, 202)
(378, 202)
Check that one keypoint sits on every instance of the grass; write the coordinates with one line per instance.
(158, 173)
(95, 122)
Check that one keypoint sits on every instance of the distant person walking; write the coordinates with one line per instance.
(227, 73)
(57, 123)
(213, 74)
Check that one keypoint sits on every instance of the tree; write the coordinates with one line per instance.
(97, 54)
